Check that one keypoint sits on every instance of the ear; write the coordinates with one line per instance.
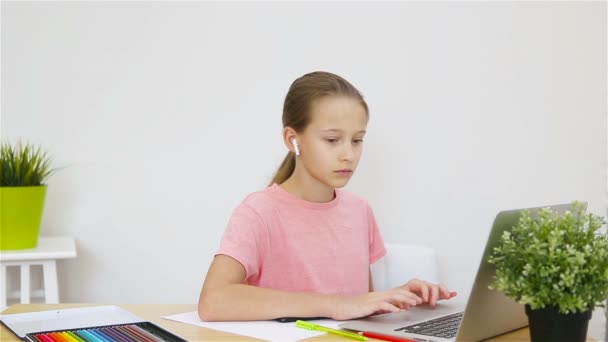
(289, 134)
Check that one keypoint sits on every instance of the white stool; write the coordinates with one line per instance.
(47, 252)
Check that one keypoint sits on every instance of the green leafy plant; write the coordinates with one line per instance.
(554, 260)
(23, 165)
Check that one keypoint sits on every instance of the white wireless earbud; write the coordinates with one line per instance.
(295, 146)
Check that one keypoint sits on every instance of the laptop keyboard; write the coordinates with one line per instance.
(446, 326)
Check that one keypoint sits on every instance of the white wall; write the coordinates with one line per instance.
(165, 115)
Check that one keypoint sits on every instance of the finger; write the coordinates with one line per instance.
(420, 287)
(444, 293)
(380, 312)
(434, 295)
(413, 283)
(399, 303)
(388, 307)
(453, 294)
(402, 305)
(425, 292)
(405, 306)
(394, 300)
(412, 295)
(404, 299)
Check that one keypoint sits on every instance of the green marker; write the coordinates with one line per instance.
(316, 327)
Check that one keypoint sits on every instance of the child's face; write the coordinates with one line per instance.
(333, 141)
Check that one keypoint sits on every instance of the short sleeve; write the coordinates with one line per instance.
(376, 244)
(244, 239)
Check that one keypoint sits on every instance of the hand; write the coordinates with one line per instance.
(430, 293)
(374, 303)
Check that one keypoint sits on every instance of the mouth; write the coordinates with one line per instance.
(344, 172)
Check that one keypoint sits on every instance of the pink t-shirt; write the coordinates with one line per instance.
(287, 243)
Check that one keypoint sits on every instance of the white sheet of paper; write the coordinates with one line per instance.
(265, 330)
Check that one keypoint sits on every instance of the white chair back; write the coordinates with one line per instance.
(403, 262)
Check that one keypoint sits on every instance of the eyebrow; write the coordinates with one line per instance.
(339, 130)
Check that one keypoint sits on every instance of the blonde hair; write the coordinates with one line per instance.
(298, 101)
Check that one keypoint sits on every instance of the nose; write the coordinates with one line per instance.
(348, 152)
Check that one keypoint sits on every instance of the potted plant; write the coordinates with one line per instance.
(557, 265)
(23, 171)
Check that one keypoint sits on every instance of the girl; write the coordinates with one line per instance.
(302, 247)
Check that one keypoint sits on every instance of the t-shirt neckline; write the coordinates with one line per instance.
(290, 198)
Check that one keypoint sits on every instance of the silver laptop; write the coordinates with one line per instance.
(487, 313)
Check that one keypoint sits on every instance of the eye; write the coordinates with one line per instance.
(358, 141)
(331, 140)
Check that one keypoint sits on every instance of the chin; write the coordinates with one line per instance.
(333, 182)
(337, 183)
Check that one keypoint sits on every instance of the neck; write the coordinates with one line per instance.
(307, 188)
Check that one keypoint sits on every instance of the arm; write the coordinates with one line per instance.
(225, 297)
(371, 284)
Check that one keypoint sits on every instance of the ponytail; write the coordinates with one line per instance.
(285, 170)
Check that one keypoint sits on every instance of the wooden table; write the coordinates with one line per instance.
(153, 313)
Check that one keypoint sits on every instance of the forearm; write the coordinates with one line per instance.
(239, 302)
